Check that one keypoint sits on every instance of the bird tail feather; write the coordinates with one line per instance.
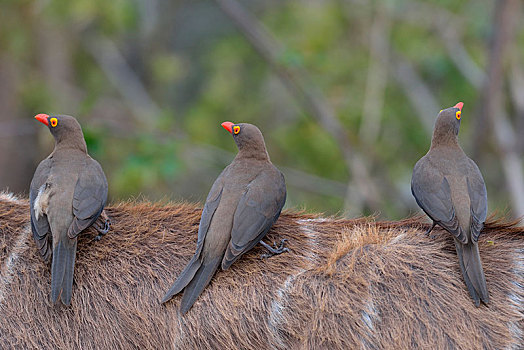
(471, 268)
(62, 270)
(200, 280)
(184, 278)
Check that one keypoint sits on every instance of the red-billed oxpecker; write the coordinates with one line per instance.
(244, 202)
(67, 195)
(450, 189)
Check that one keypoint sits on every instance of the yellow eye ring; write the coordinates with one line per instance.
(236, 129)
(53, 122)
(458, 115)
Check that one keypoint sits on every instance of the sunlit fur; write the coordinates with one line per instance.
(345, 284)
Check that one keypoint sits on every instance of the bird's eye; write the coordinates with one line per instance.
(236, 129)
(458, 115)
(441, 110)
(53, 122)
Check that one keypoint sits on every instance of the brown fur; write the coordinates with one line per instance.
(345, 284)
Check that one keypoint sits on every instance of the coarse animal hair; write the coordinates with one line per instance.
(345, 284)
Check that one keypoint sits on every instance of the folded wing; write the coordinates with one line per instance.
(433, 194)
(89, 198)
(258, 208)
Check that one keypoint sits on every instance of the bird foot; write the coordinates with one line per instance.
(274, 250)
(429, 231)
(102, 230)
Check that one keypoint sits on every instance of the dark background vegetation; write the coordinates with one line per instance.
(345, 92)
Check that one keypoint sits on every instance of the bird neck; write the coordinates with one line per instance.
(258, 153)
(77, 143)
(444, 137)
(254, 148)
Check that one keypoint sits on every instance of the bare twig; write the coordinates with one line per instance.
(377, 76)
(123, 78)
(458, 54)
(55, 62)
(491, 92)
(419, 94)
(516, 84)
(449, 26)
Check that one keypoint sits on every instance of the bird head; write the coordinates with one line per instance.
(248, 138)
(64, 128)
(448, 120)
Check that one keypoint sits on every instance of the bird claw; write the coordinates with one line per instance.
(103, 230)
(431, 236)
(429, 231)
(281, 245)
(274, 250)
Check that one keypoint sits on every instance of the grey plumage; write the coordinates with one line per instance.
(67, 194)
(450, 189)
(242, 205)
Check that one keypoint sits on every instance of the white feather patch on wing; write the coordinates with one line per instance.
(41, 201)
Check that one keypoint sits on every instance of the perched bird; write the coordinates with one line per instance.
(68, 193)
(245, 200)
(450, 189)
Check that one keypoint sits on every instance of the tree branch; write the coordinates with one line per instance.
(377, 76)
(493, 112)
(123, 78)
(448, 26)
(419, 94)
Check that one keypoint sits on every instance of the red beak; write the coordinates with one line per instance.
(459, 106)
(228, 126)
(42, 118)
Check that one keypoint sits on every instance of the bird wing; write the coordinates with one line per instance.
(40, 226)
(478, 199)
(433, 194)
(258, 208)
(89, 198)
(212, 201)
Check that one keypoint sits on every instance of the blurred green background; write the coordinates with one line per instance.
(345, 92)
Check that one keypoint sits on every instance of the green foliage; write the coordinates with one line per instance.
(313, 149)
(200, 72)
(166, 68)
(148, 164)
(35, 97)
(111, 17)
